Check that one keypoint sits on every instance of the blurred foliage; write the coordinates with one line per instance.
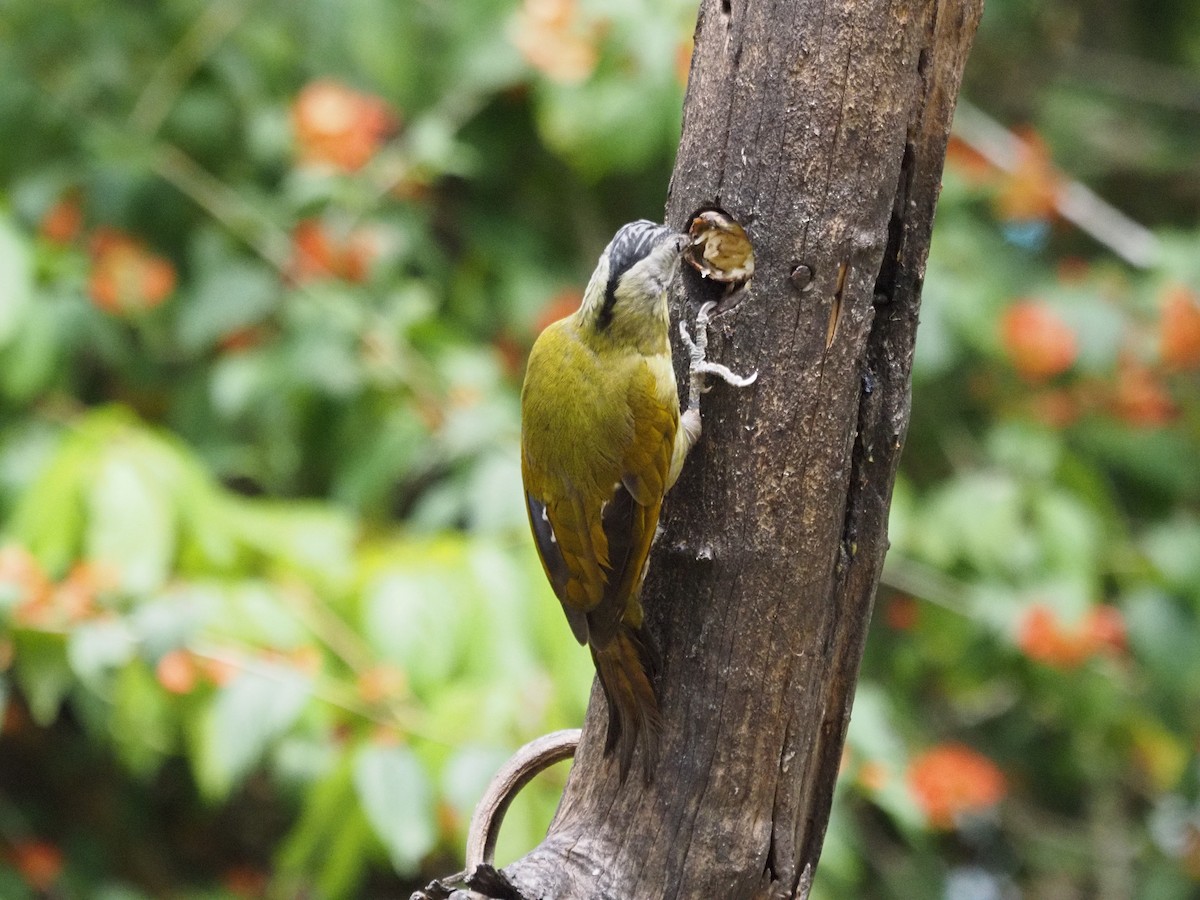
(269, 618)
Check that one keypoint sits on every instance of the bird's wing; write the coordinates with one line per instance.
(593, 530)
(630, 517)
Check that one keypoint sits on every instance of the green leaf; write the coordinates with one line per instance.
(131, 526)
(35, 358)
(174, 617)
(1069, 534)
(236, 295)
(16, 280)
(49, 519)
(40, 663)
(343, 860)
(977, 518)
(1174, 549)
(141, 724)
(13, 886)
(467, 773)
(397, 797)
(1164, 640)
(421, 605)
(312, 539)
(95, 649)
(248, 714)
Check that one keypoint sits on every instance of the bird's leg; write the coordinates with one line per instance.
(698, 365)
(699, 368)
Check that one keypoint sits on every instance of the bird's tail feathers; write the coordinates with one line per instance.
(627, 668)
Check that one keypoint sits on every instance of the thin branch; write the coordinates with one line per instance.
(224, 204)
(211, 27)
(330, 628)
(1077, 203)
(326, 690)
(925, 583)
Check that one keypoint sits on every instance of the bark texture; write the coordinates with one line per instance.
(821, 125)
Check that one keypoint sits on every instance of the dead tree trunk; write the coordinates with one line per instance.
(822, 126)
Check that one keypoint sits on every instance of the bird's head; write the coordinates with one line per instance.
(628, 291)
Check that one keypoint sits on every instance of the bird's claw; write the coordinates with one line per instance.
(725, 374)
(698, 365)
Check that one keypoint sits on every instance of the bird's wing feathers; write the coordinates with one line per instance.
(594, 544)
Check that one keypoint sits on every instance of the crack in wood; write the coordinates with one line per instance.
(835, 308)
(885, 281)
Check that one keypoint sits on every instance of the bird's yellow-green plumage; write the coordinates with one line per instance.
(601, 443)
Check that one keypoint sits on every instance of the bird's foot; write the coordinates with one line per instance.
(699, 367)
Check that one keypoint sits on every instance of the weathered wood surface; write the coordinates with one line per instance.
(823, 127)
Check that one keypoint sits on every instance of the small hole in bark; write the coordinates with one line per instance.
(922, 63)
(801, 277)
(727, 7)
(720, 248)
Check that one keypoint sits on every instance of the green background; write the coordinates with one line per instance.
(269, 615)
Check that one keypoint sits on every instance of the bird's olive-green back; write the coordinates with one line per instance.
(598, 426)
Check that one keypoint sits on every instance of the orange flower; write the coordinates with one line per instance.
(683, 60)
(245, 882)
(63, 221)
(307, 659)
(1044, 639)
(1179, 329)
(1072, 270)
(952, 780)
(1031, 190)
(1140, 398)
(968, 162)
(317, 254)
(1039, 344)
(511, 352)
(1057, 408)
(242, 339)
(558, 307)
(338, 126)
(126, 276)
(901, 613)
(1104, 627)
(449, 820)
(874, 775)
(177, 672)
(45, 603)
(38, 862)
(217, 670)
(380, 683)
(16, 718)
(548, 35)
(22, 575)
(75, 596)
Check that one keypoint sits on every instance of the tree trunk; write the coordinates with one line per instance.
(822, 127)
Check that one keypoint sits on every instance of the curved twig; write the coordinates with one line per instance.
(524, 765)
(521, 768)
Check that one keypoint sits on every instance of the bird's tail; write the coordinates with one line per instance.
(627, 667)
